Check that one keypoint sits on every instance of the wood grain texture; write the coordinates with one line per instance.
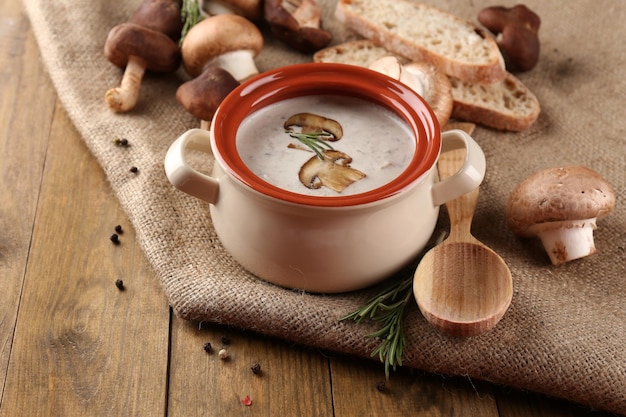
(26, 108)
(72, 344)
(293, 381)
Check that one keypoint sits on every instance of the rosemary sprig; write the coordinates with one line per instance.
(317, 142)
(190, 15)
(388, 308)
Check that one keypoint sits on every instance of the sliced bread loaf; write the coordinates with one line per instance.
(505, 105)
(424, 33)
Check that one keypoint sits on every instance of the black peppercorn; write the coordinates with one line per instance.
(225, 340)
(115, 239)
(118, 229)
(380, 386)
(256, 368)
(121, 142)
(208, 348)
(119, 284)
(134, 170)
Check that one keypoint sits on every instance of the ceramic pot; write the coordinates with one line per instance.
(323, 244)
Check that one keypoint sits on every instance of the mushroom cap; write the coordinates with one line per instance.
(202, 95)
(299, 28)
(517, 29)
(496, 18)
(215, 36)
(160, 15)
(160, 53)
(556, 195)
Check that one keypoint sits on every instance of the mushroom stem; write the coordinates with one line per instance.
(240, 64)
(124, 97)
(567, 240)
(214, 8)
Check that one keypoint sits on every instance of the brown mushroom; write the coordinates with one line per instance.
(560, 206)
(313, 123)
(517, 34)
(332, 170)
(297, 23)
(201, 96)
(160, 15)
(137, 49)
(423, 78)
(228, 41)
(250, 9)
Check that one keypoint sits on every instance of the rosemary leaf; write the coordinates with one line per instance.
(317, 142)
(190, 14)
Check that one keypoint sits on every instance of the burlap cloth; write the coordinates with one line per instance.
(565, 332)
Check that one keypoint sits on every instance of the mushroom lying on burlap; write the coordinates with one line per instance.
(137, 49)
(146, 42)
(517, 31)
(201, 96)
(227, 41)
(297, 23)
(423, 78)
(560, 206)
(160, 15)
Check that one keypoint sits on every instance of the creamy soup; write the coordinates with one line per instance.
(378, 142)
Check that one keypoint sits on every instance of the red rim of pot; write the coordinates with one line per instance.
(320, 79)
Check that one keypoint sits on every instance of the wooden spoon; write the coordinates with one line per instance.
(462, 287)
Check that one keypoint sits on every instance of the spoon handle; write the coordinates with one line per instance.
(461, 209)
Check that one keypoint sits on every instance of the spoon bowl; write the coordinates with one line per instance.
(462, 287)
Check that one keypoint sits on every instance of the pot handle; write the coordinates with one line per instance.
(182, 175)
(469, 176)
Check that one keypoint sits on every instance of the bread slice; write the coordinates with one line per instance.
(424, 33)
(505, 105)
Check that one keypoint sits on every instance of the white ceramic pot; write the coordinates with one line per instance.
(323, 244)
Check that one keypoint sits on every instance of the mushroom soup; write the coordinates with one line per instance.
(326, 145)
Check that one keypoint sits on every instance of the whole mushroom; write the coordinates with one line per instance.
(423, 78)
(201, 96)
(517, 34)
(227, 41)
(560, 206)
(136, 49)
(297, 23)
(161, 15)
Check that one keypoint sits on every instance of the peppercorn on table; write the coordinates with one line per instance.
(85, 329)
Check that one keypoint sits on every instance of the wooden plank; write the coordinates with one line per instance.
(294, 381)
(26, 107)
(516, 403)
(357, 392)
(83, 347)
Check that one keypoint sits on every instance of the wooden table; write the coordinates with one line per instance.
(73, 344)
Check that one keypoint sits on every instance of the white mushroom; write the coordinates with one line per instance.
(250, 9)
(560, 206)
(227, 41)
(423, 78)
